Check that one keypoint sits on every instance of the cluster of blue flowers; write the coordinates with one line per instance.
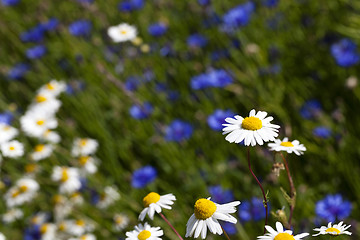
(214, 78)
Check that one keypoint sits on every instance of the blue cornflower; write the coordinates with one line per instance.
(157, 29)
(322, 132)
(333, 207)
(196, 41)
(178, 131)
(214, 78)
(36, 52)
(9, 2)
(143, 176)
(251, 210)
(50, 25)
(18, 71)
(141, 111)
(32, 233)
(345, 53)
(6, 117)
(229, 227)
(239, 15)
(80, 28)
(219, 195)
(310, 109)
(35, 34)
(270, 3)
(216, 119)
(132, 83)
(130, 5)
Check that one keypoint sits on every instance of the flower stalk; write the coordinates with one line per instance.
(167, 221)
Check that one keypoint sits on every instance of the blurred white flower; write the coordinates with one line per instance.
(68, 177)
(108, 197)
(35, 124)
(7, 132)
(84, 147)
(24, 190)
(53, 88)
(122, 32)
(289, 147)
(12, 149)
(336, 229)
(121, 221)
(48, 231)
(51, 136)
(12, 214)
(41, 151)
(88, 164)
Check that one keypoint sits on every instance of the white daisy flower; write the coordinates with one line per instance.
(121, 221)
(84, 147)
(12, 149)
(12, 214)
(35, 124)
(39, 218)
(41, 151)
(76, 198)
(280, 234)
(68, 177)
(122, 32)
(108, 197)
(24, 190)
(206, 215)
(53, 88)
(253, 129)
(145, 232)
(45, 102)
(336, 229)
(85, 237)
(88, 164)
(51, 136)
(154, 202)
(48, 231)
(289, 147)
(7, 132)
(62, 208)
(2, 236)
(77, 227)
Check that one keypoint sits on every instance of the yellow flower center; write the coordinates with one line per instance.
(43, 228)
(83, 142)
(284, 236)
(251, 123)
(39, 147)
(83, 237)
(11, 148)
(204, 208)
(15, 194)
(286, 144)
(80, 223)
(83, 160)
(23, 188)
(151, 198)
(143, 235)
(119, 219)
(62, 227)
(333, 231)
(64, 175)
(6, 128)
(40, 122)
(49, 86)
(123, 32)
(40, 98)
(30, 167)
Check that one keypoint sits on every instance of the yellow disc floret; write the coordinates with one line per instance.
(40, 98)
(143, 235)
(83, 160)
(251, 123)
(286, 144)
(11, 148)
(40, 122)
(49, 86)
(284, 236)
(151, 198)
(39, 147)
(44, 228)
(204, 208)
(64, 175)
(333, 231)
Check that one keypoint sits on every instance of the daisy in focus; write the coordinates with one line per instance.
(280, 234)
(84, 147)
(206, 215)
(153, 202)
(145, 232)
(12, 149)
(41, 151)
(255, 129)
(122, 32)
(336, 229)
(286, 145)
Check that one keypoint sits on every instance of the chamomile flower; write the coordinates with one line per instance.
(255, 129)
(2, 236)
(87, 163)
(84, 147)
(51, 136)
(336, 229)
(36, 123)
(122, 32)
(45, 102)
(108, 197)
(12, 214)
(145, 232)
(7, 132)
(280, 234)
(77, 227)
(12, 149)
(121, 221)
(68, 177)
(24, 190)
(154, 202)
(53, 88)
(286, 145)
(206, 215)
(48, 231)
(41, 151)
